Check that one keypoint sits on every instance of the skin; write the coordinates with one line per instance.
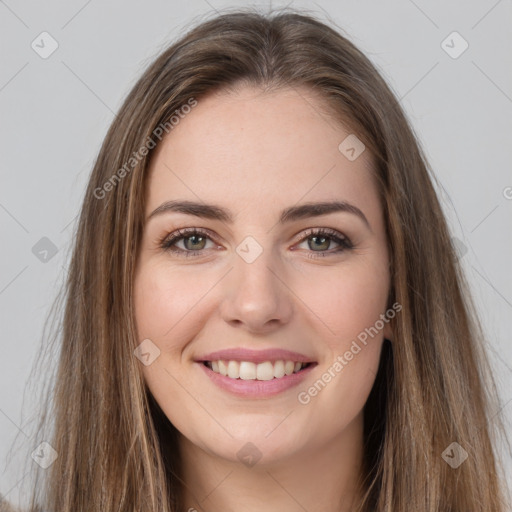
(256, 153)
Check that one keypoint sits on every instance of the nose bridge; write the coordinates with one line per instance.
(256, 296)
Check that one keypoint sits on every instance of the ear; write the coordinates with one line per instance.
(388, 332)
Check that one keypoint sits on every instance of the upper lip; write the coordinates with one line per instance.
(255, 356)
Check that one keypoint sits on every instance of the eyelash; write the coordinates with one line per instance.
(344, 243)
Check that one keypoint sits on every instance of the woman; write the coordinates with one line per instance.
(263, 306)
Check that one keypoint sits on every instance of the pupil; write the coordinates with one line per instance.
(323, 238)
(196, 238)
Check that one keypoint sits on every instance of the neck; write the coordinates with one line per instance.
(320, 479)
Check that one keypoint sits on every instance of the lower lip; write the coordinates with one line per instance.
(257, 388)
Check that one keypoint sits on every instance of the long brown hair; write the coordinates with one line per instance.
(116, 450)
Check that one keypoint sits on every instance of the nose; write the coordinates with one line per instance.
(256, 296)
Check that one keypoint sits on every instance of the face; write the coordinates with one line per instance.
(251, 283)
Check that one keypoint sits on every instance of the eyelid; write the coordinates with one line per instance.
(336, 236)
(181, 233)
(319, 230)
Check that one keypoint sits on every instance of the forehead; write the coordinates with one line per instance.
(252, 147)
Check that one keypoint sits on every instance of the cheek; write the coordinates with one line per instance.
(166, 301)
(167, 310)
(353, 307)
(347, 301)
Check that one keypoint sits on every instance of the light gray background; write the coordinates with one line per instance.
(55, 113)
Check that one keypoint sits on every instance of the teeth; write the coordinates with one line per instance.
(279, 369)
(247, 370)
(264, 371)
(233, 370)
(223, 368)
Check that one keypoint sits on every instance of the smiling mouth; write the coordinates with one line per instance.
(247, 370)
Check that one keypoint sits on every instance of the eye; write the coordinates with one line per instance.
(319, 240)
(195, 239)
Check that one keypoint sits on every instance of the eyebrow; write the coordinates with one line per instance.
(293, 213)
